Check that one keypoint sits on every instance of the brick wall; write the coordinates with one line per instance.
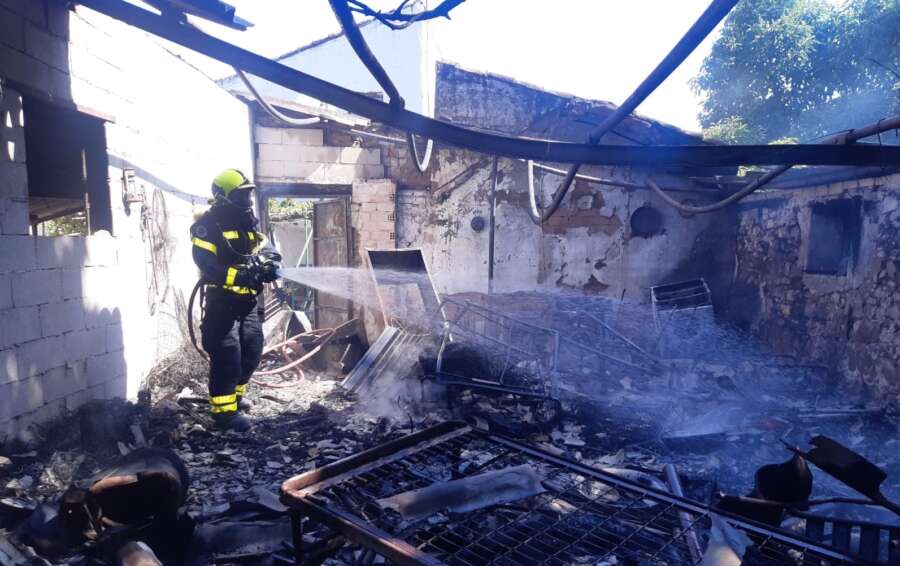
(849, 323)
(86, 317)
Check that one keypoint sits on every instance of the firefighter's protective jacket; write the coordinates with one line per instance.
(224, 240)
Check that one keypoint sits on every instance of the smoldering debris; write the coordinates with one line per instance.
(617, 405)
(426, 498)
(234, 480)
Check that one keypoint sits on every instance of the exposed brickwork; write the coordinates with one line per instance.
(302, 155)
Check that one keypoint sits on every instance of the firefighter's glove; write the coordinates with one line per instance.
(268, 271)
(247, 277)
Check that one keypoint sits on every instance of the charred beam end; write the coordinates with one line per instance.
(560, 152)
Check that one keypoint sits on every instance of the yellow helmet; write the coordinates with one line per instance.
(228, 181)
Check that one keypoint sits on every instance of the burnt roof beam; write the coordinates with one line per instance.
(842, 138)
(704, 25)
(494, 144)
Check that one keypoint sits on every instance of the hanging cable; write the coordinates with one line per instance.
(606, 182)
(704, 25)
(421, 164)
(752, 187)
(344, 14)
(274, 112)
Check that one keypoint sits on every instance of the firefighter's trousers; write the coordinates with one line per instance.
(233, 338)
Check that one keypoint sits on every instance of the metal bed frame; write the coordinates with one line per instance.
(585, 515)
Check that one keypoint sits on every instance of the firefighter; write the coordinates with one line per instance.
(235, 261)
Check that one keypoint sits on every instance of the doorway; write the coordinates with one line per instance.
(312, 232)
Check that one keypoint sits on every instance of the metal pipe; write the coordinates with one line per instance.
(704, 25)
(690, 536)
(344, 15)
(494, 144)
(842, 138)
(351, 31)
(271, 109)
(857, 134)
(492, 226)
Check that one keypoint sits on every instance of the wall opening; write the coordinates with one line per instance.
(835, 228)
(68, 192)
(646, 222)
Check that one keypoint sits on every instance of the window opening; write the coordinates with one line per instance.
(67, 165)
(834, 236)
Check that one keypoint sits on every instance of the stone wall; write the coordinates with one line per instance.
(849, 322)
(74, 309)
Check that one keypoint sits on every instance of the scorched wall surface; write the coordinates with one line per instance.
(847, 322)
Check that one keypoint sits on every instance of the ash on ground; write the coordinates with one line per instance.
(306, 422)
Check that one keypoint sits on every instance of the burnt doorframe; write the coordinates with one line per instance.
(266, 190)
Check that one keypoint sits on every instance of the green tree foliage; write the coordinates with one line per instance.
(289, 209)
(801, 69)
(71, 225)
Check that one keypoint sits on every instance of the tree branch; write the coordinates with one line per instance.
(398, 18)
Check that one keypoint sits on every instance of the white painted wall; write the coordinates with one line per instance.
(80, 315)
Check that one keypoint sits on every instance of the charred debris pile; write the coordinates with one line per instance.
(568, 429)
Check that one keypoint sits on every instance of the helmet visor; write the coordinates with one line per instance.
(241, 197)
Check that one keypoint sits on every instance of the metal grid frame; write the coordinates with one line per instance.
(585, 516)
(510, 339)
(873, 542)
(592, 336)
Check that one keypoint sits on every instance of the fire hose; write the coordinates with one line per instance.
(321, 337)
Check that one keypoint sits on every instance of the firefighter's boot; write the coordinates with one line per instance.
(244, 405)
(232, 421)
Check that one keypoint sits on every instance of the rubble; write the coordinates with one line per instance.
(558, 511)
(631, 416)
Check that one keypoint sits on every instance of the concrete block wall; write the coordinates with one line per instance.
(373, 210)
(88, 317)
(315, 156)
(13, 171)
(302, 155)
(58, 348)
